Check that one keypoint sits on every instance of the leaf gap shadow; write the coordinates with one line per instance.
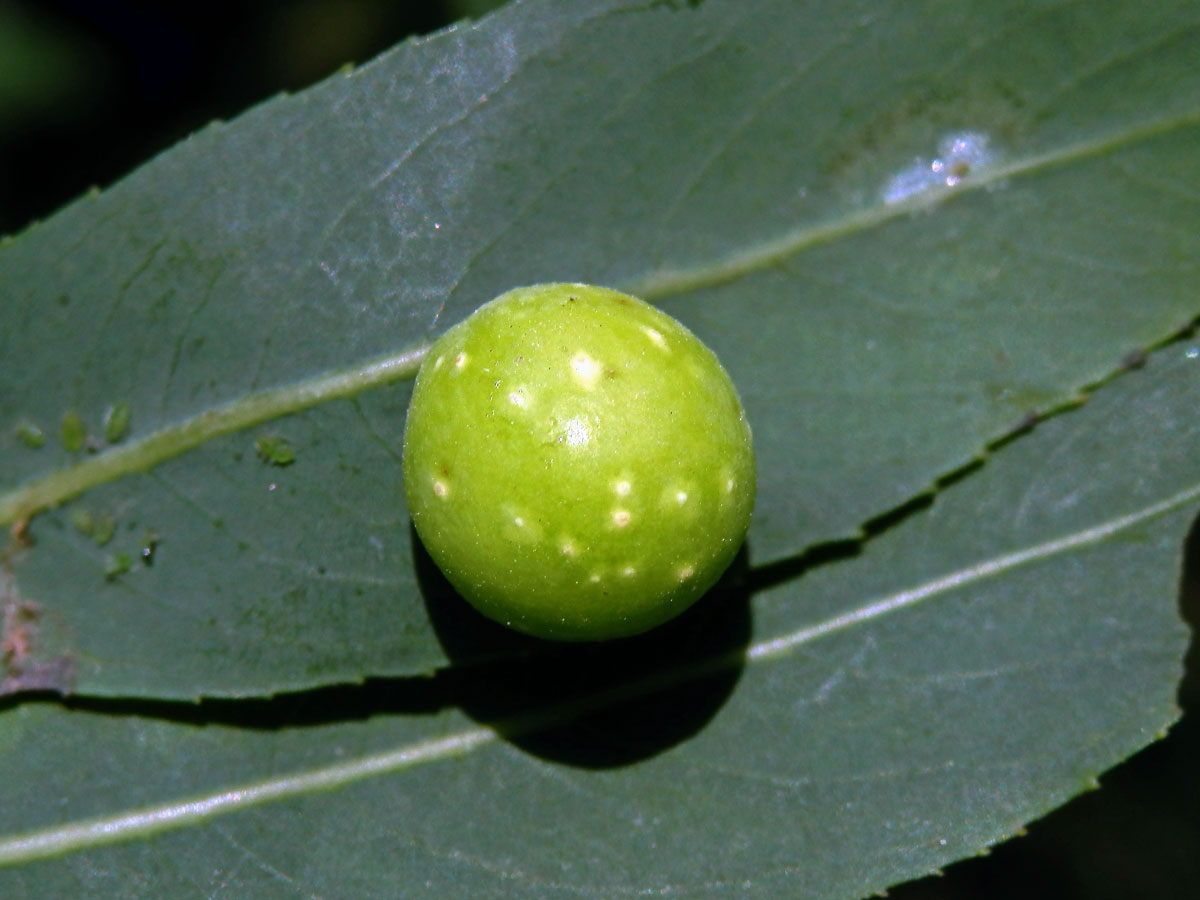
(418, 695)
(593, 705)
(1189, 611)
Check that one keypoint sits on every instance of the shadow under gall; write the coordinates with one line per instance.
(593, 705)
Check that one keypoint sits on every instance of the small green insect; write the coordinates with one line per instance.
(577, 462)
(100, 527)
(74, 432)
(83, 521)
(117, 565)
(116, 422)
(104, 527)
(30, 435)
(274, 450)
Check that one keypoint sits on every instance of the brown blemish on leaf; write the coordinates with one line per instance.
(21, 538)
(910, 122)
(1135, 359)
(28, 657)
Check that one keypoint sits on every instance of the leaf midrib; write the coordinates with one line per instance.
(158, 446)
(158, 818)
(770, 254)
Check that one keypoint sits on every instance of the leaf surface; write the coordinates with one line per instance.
(777, 175)
(879, 716)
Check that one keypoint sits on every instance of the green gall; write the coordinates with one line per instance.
(577, 462)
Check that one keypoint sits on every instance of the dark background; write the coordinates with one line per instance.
(89, 90)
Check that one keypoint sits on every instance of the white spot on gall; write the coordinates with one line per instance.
(441, 488)
(586, 370)
(629, 571)
(686, 572)
(517, 398)
(681, 497)
(656, 337)
(622, 488)
(460, 361)
(522, 525)
(577, 432)
(621, 517)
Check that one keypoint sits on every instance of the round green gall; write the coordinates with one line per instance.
(577, 462)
